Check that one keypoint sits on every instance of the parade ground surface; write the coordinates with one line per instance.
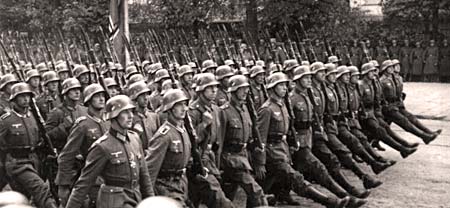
(422, 179)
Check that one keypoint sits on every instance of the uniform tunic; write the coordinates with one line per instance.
(146, 124)
(431, 56)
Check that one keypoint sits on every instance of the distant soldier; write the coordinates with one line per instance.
(63, 71)
(62, 117)
(209, 66)
(113, 86)
(394, 50)
(50, 98)
(223, 73)
(257, 78)
(118, 158)
(355, 53)
(379, 51)
(6, 82)
(82, 73)
(86, 130)
(417, 61)
(320, 51)
(431, 58)
(186, 75)
(156, 97)
(405, 59)
(33, 78)
(19, 140)
(444, 62)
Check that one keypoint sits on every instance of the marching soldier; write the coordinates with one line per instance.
(391, 109)
(6, 82)
(113, 86)
(82, 73)
(145, 122)
(156, 98)
(50, 99)
(430, 68)
(86, 130)
(61, 119)
(223, 73)
(273, 123)
(235, 157)
(209, 66)
(369, 121)
(63, 71)
(257, 78)
(19, 139)
(118, 158)
(33, 78)
(186, 75)
(405, 59)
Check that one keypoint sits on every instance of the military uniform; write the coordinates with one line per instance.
(155, 99)
(119, 160)
(222, 97)
(19, 138)
(444, 63)
(59, 122)
(190, 93)
(405, 60)
(417, 61)
(394, 52)
(47, 102)
(355, 55)
(258, 94)
(4, 103)
(235, 158)
(145, 124)
(431, 58)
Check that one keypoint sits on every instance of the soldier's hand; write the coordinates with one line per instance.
(63, 194)
(207, 118)
(260, 172)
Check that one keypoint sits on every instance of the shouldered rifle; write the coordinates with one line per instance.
(216, 46)
(107, 46)
(22, 46)
(29, 53)
(307, 41)
(197, 165)
(191, 50)
(66, 53)
(49, 53)
(291, 47)
(365, 51)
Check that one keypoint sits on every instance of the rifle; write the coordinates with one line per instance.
(132, 52)
(219, 53)
(291, 48)
(22, 46)
(365, 51)
(93, 59)
(47, 147)
(67, 56)
(197, 165)
(194, 55)
(49, 53)
(31, 57)
(310, 47)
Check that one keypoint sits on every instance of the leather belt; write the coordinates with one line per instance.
(276, 138)
(133, 184)
(171, 173)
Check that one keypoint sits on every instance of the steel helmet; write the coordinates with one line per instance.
(117, 104)
(161, 74)
(353, 70)
(275, 68)
(290, 64)
(167, 85)
(386, 64)
(249, 63)
(119, 67)
(207, 64)
(367, 67)
(237, 81)
(255, 70)
(32, 73)
(330, 68)
(6, 79)
(28, 67)
(70, 83)
(135, 78)
(229, 62)
(193, 65)
(301, 71)
(20, 88)
(90, 91)
(109, 82)
(395, 61)
(78, 70)
(375, 63)
(185, 69)
(153, 68)
(205, 80)
(317, 66)
(131, 70)
(305, 63)
(50, 76)
(171, 97)
(145, 63)
(333, 59)
(341, 70)
(41, 67)
(260, 63)
(62, 67)
(244, 70)
(276, 78)
(136, 89)
(223, 72)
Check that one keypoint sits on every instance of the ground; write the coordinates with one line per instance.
(423, 179)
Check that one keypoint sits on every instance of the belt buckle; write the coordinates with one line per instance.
(284, 137)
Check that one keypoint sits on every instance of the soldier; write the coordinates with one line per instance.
(234, 159)
(19, 139)
(6, 82)
(62, 117)
(430, 68)
(273, 123)
(209, 66)
(82, 73)
(394, 50)
(156, 98)
(405, 59)
(205, 118)
(444, 61)
(391, 109)
(145, 122)
(86, 130)
(346, 136)
(304, 160)
(319, 50)
(381, 54)
(257, 80)
(355, 53)
(33, 78)
(417, 61)
(186, 75)
(369, 121)
(118, 158)
(113, 86)
(63, 71)
(51, 98)
(223, 73)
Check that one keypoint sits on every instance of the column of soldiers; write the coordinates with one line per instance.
(199, 132)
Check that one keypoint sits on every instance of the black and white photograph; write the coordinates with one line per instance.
(224, 103)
